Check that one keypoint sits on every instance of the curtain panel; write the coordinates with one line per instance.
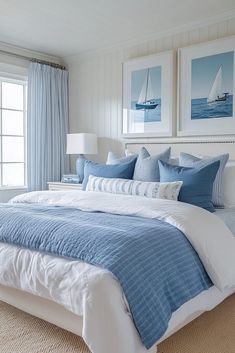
(47, 125)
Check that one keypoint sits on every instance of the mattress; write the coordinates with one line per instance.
(227, 215)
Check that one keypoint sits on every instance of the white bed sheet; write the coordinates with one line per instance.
(227, 215)
(82, 289)
(102, 309)
(94, 294)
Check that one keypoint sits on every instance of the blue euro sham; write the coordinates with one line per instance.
(154, 262)
(113, 159)
(122, 170)
(188, 160)
(146, 168)
(197, 182)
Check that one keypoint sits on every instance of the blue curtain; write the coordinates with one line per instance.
(47, 125)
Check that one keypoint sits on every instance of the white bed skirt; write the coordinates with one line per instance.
(56, 314)
(43, 308)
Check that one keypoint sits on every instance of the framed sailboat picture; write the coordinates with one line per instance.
(206, 90)
(148, 96)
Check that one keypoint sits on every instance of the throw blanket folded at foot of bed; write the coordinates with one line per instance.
(154, 262)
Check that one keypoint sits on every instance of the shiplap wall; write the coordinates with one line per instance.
(96, 82)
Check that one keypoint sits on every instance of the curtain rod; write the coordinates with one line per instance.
(24, 57)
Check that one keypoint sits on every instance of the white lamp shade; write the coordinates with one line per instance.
(83, 143)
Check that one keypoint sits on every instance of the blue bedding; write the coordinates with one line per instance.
(155, 264)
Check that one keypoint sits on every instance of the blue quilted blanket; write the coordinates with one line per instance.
(155, 264)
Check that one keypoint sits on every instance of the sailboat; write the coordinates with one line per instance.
(217, 93)
(146, 99)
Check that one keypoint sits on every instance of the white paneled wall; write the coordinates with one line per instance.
(96, 82)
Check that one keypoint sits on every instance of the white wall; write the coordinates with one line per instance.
(96, 81)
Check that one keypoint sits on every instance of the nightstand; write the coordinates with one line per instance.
(56, 186)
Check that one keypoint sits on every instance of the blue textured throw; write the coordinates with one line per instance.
(155, 264)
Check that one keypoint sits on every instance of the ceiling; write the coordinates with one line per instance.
(67, 27)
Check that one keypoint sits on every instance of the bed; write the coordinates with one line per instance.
(88, 300)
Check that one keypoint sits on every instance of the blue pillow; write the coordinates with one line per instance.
(123, 170)
(188, 160)
(197, 182)
(113, 159)
(146, 168)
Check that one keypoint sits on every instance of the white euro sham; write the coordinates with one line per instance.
(229, 184)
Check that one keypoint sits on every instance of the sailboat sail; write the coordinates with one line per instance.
(150, 94)
(143, 93)
(216, 92)
(146, 98)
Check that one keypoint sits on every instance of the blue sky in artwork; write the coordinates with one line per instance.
(137, 80)
(205, 69)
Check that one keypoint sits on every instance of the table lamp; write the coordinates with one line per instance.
(81, 144)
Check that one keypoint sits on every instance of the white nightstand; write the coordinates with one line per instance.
(56, 186)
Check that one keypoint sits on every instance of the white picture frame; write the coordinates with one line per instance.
(138, 119)
(203, 70)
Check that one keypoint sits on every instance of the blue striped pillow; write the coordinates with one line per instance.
(169, 191)
(188, 160)
(123, 170)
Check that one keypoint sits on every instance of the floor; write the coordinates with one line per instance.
(213, 332)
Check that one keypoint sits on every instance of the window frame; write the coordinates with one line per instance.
(22, 80)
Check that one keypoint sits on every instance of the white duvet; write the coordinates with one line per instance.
(94, 293)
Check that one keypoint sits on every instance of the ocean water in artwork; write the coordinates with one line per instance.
(147, 115)
(212, 86)
(201, 109)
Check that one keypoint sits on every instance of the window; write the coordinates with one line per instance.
(12, 133)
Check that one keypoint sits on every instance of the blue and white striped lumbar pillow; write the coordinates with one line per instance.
(169, 191)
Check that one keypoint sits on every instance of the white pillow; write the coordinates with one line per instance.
(169, 191)
(174, 160)
(229, 184)
(129, 153)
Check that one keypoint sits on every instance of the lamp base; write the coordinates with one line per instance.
(80, 163)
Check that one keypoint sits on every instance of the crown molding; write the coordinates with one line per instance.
(13, 49)
(225, 16)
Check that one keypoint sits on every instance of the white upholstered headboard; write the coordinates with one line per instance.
(203, 146)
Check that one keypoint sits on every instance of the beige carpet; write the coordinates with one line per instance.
(213, 332)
